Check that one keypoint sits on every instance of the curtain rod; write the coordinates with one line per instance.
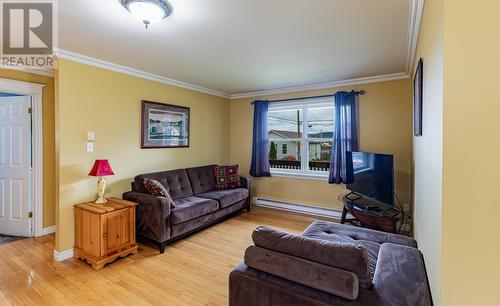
(361, 92)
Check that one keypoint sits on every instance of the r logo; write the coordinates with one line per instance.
(27, 28)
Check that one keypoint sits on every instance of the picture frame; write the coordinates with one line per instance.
(418, 85)
(164, 125)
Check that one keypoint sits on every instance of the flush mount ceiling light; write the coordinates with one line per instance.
(147, 11)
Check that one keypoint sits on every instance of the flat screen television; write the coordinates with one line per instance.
(371, 175)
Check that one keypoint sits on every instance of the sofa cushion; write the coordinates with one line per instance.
(157, 189)
(226, 177)
(331, 235)
(175, 181)
(315, 275)
(373, 249)
(202, 178)
(329, 230)
(193, 224)
(347, 256)
(192, 207)
(226, 197)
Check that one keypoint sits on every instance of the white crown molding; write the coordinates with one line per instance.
(48, 230)
(80, 58)
(316, 86)
(63, 255)
(416, 12)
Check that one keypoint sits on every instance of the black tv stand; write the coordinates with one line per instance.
(370, 213)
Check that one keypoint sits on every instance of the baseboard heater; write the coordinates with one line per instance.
(298, 208)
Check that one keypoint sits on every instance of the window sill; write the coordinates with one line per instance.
(297, 175)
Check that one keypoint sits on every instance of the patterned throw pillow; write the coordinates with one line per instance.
(157, 189)
(226, 177)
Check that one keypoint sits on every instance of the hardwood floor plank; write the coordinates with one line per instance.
(192, 271)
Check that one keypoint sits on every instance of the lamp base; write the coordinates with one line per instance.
(101, 186)
(100, 201)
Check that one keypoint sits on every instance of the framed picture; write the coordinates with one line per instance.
(164, 125)
(418, 99)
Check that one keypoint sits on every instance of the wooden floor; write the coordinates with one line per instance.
(193, 271)
(7, 239)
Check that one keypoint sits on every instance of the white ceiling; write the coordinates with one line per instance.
(238, 46)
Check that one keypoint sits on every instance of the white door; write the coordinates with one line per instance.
(15, 166)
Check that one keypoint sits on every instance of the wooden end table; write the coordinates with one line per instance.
(104, 232)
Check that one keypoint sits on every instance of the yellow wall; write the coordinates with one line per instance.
(48, 138)
(108, 103)
(456, 161)
(471, 151)
(428, 149)
(384, 126)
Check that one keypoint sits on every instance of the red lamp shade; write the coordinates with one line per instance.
(101, 168)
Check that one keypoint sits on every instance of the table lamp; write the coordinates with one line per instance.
(101, 168)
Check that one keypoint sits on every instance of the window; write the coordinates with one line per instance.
(304, 132)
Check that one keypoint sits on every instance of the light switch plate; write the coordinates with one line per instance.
(90, 136)
(90, 147)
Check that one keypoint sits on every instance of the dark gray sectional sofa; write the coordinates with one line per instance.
(198, 205)
(330, 264)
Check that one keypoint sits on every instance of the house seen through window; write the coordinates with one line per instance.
(300, 136)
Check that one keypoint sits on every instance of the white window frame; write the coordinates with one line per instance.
(304, 105)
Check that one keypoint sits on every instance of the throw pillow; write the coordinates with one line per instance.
(157, 189)
(226, 177)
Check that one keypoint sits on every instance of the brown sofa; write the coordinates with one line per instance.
(198, 205)
(330, 264)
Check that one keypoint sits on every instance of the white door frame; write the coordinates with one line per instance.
(35, 91)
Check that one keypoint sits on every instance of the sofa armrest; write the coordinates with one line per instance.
(400, 277)
(245, 182)
(152, 215)
(315, 275)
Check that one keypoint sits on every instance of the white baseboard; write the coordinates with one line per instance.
(63, 255)
(298, 208)
(48, 230)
